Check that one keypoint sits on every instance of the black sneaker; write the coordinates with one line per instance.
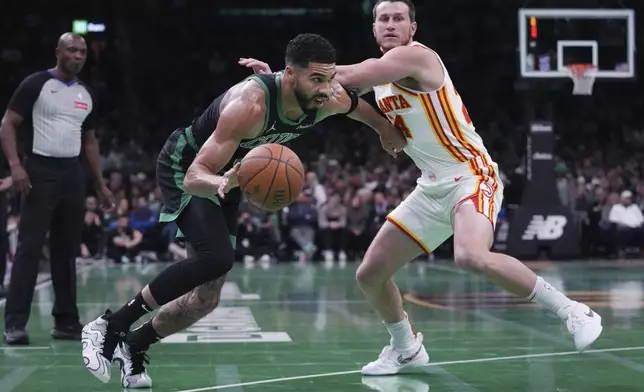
(16, 336)
(67, 331)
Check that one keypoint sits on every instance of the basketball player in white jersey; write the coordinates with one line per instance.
(459, 192)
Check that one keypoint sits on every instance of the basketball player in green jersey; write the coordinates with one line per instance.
(196, 171)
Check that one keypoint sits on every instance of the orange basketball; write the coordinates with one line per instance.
(271, 176)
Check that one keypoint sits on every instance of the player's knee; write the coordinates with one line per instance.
(471, 259)
(215, 260)
(362, 276)
(205, 298)
(209, 300)
(366, 274)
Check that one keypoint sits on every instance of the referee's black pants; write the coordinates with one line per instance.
(56, 205)
(4, 238)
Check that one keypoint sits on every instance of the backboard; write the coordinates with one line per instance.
(550, 39)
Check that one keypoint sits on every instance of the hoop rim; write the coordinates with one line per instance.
(581, 66)
(581, 70)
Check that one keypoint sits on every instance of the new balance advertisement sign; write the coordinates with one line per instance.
(541, 224)
(545, 227)
(535, 229)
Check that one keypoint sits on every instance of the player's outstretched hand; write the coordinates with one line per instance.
(229, 180)
(389, 149)
(392, 139)
(259, 67)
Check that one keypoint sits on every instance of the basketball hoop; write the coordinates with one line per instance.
(583, 75)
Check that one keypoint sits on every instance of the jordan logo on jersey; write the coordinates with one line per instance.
(393, 102)
(278, 138)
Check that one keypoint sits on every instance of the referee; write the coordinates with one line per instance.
(54, 112)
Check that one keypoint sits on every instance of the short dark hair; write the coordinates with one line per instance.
(410, 4)
(309, 48)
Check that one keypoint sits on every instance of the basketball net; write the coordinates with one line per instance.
(583, 75)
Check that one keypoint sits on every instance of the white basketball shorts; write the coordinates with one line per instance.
(426, 215)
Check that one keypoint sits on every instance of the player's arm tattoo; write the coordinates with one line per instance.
(186, 310)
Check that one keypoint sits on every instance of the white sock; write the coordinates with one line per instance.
(551, 298)
(402, 335)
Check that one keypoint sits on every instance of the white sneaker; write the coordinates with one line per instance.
(133, 373)
(99, 342)
(392, 362)
(584, 325)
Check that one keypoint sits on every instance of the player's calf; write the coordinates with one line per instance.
(177, 315)
(374, 279)
(188, 309)
(171, 318)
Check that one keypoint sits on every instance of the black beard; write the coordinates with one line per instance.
(304, 102)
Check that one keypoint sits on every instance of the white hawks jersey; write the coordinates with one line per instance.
(439, 131)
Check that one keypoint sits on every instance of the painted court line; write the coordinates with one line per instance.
(16, 377)
(459, 362)
(23, 348)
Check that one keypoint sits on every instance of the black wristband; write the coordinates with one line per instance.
(353, 94)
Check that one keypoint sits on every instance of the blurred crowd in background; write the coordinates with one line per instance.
(145, 90)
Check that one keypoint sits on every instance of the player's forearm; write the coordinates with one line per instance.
(367, 115)
(9, 146)
(397, 64)
(358, 75)
(348, 77)
(200, 181)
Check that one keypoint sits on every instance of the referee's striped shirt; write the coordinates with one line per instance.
(55, 114)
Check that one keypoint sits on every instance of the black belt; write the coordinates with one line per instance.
(53, 160)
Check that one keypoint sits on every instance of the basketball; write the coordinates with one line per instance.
(271, 176)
